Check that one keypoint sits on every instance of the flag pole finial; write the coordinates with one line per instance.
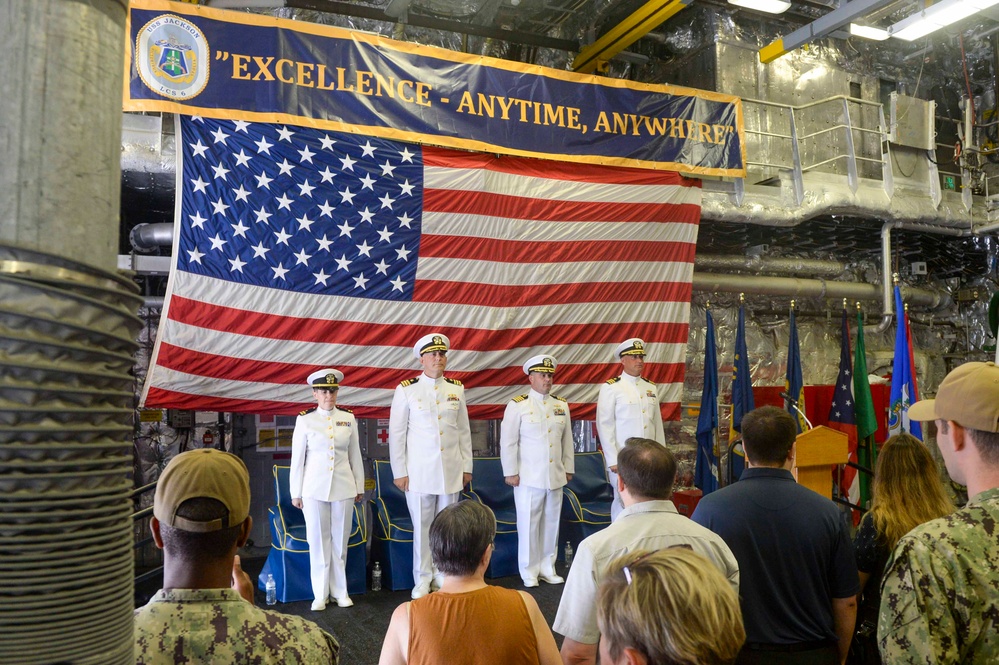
(894, 278)
(844, 303)
(858, 305)
(707, 304)
(742, 298)
(792, 304)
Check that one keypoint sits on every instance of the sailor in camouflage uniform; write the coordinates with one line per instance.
(205, 612)
(430, 448)
(627, 406)
(940, 591)
(537, 456)
(326, 479)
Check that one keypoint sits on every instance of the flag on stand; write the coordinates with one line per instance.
(706, 467)
(842, 418)
(297, 249)
(742, 393)
(793, 381)
(903, 383)
(914, 395)
(864, 416)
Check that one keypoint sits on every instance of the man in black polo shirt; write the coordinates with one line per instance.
(798, 573)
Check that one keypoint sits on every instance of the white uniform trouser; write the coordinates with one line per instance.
(422, 510)
(616, 505)
(538, 512)
(327, 528)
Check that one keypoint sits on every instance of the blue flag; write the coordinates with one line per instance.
(742, 390)
(793, 383)
(903, 384)
(706, 468)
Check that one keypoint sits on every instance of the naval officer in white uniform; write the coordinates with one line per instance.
(627, 406)
(327, 477)
(538, 460)
(430, 448)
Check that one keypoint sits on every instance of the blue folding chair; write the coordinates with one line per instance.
(393, 530)
(288, 560)
(489, 488)
(586, 501)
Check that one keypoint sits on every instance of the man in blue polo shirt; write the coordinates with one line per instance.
(799, 575)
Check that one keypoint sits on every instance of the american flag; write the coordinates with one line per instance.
(297, 249)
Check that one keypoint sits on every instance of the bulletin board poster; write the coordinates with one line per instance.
(196, 60)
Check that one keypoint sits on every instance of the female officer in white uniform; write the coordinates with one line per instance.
(327, 476)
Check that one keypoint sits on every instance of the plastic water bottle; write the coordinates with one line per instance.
(271, 587)
(568, 554)
(376, 577)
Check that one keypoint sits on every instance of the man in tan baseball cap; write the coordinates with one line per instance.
(205, 613)
(941, 584)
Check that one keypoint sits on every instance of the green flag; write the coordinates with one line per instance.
(863, 409)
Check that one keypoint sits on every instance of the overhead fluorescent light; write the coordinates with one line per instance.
(767, 6)
(937, 16)
(868, 32)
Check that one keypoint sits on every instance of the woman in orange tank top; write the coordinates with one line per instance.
(468, 622)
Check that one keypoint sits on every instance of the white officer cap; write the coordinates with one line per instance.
(631, 347)
(431, 342)
(542, 363)
(325, 378)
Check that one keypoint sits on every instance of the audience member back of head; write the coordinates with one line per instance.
(205, 613)
(670, 606)
(798, 572)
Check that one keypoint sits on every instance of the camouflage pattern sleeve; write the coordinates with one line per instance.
(218, 626)
(940, 592)
(915, 624)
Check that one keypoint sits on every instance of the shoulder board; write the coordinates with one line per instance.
(452, 381)
(520, 398)
(614, 380)
(561, 399)
(308, 411)
(340, 408)
(409, 382)
(649, 382)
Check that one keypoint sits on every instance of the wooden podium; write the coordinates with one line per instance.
(816, 451)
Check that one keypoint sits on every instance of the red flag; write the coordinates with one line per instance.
(298, 249)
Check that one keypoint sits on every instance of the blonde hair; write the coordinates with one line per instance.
(674, 606)
(907, 489)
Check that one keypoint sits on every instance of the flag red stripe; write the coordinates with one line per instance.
(551, 170)
(331, 331)
(519, 207)
(180, 400)
(492, 295)
(529, 251)
(237, 369)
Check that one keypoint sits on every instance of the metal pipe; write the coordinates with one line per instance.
(988, 228)
(786, 265)
(887, 310)
(145, 237)
(806, 288)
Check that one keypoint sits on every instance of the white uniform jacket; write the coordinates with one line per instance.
(627, 406)
(536, 440)
(429, 437)
(326, 462)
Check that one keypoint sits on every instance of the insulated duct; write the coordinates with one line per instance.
(67, 336)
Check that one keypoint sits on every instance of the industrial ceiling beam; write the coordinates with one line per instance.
(422, 21)
(821, 27)
(648, 17)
